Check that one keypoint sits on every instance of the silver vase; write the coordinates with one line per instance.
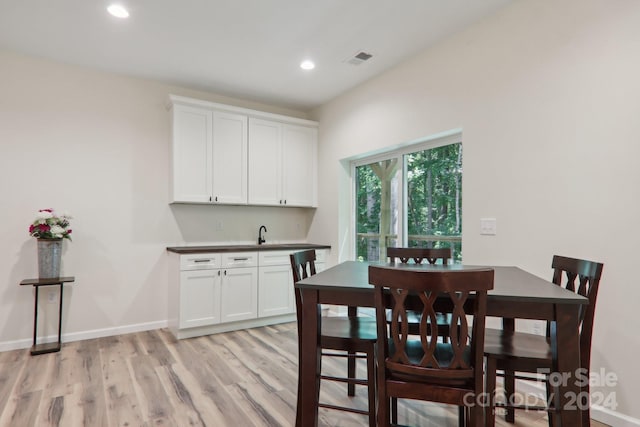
(49, 257)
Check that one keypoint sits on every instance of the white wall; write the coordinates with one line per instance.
(547, 94)
(97, 145)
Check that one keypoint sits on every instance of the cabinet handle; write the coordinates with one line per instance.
(225, 272)
(285, 201)
(202, 260)
(218, 272)
(209, 198)
(241, 259)
(216, 198)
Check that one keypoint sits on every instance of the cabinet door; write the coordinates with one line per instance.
(299, 148)
(191, 154)
(265, 162)
(239, 294)
(229, 158)
(275, 291)
(199, 298)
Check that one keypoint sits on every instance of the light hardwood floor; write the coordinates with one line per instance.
(239, 379)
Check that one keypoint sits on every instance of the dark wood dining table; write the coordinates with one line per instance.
(517, 294)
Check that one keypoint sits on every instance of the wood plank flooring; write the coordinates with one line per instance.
(239, 379)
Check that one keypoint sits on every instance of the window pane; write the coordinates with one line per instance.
(376, 209)
(434, 198)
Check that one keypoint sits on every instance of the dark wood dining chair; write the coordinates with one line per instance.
(421, 367)
(418, 256)
(349, 337)
(514, 352)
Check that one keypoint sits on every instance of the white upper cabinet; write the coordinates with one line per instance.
(265, 162)
(209, 156)
(229, 158)
(230, 155)
(191, 155)
(282, 164)
(300, 160)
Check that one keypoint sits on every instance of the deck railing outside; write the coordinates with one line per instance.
(372, 244)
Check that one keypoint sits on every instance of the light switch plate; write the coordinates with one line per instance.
(488, 226)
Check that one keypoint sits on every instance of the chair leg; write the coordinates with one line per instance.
(476, 415)
(462, 416)
(351, 373)
(490, 389)
(510, 390)
(351, 360)
(551, 413)
(586, 413)
(299, 402)
(383, 410)
(394, 410)
(371, 386)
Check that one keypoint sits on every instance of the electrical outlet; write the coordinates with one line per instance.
(488, 226)
(51, 297)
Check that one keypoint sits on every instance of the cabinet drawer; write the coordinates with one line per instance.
(239, 259)
(282, 257)
(200, 261)
(274, 258)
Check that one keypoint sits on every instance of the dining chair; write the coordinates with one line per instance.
(419, 256)
(351, 337)
(514, 352)
(421, 367)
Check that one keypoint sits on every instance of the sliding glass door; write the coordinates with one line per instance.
(409, 198)
(376, 208)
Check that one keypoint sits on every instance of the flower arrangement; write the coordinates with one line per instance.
(49, 225)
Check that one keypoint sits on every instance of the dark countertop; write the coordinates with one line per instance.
(244, 248)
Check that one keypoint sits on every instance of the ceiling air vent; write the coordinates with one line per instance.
(359, 58)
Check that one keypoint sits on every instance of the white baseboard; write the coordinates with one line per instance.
(85, 335)
(598, 413)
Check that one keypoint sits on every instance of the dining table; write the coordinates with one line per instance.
(517, 294)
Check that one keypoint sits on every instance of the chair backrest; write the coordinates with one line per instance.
(423, 358)
(303, 265)
(582, 277)
(420, 255)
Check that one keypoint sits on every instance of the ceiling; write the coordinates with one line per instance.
(248, 49)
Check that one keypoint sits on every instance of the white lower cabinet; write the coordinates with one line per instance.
(214, 289)
(199, 298)
(239, 294)
(219, 292)
(275, 289)
(275, 282)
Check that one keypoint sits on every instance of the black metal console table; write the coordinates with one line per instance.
(36, 283)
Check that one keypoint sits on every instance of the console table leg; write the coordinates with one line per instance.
(60, 318)
(35, 317)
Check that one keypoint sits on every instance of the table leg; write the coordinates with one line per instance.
(566, 354)
(509, 327)
(309, 359)
(35, 317)
(60, 317)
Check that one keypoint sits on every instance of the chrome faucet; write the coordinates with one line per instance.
(260, 238)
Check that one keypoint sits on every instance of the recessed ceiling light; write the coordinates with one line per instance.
(307, 65)
(118, 11)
